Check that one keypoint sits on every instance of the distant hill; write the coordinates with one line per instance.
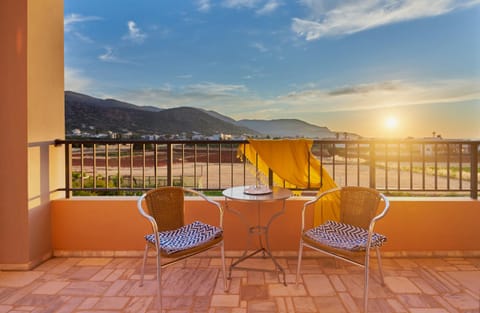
(287, 128)
(88, 113)
(78, 98)
(95, 116)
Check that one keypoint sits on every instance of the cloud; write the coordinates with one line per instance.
(349, 17)
(83, 37)
(379, 95)
(70, 20)
(364, 88)
(260, 47)
(268, 7)
(211, 96)
(110, 56)
(204, 5)
(75, 80)
(261, 7)
(238, 4)
(185, 76)
(134, 33)
(213, 89)
(312, 104)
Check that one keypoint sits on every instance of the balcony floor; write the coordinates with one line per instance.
(416, 285)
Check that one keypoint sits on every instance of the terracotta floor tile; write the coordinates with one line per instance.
(50, 287)
(469, 279)
(262, 306)
(463, 301)
(276, 290)
(304, 304)
(225, 300)
(329, 304)
(112, 303)
(5, 308)
(254, 292)
(90, 285)
(94, 261)
(318, 285)
(401, 285)
(18, 279)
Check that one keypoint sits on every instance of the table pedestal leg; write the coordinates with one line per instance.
(258, 230)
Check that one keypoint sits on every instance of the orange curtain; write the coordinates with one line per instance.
(294, 166)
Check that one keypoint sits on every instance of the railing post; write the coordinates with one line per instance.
(169, 164)
(68, 166)
(373, 161)
(474, 170)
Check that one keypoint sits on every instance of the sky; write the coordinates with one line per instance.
(378, 68)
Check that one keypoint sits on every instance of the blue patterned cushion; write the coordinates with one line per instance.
(344, 236)
(186, 237)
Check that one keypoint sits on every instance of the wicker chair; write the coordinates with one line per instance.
(352, 237)
(170, 237)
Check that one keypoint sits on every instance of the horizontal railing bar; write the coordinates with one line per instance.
(404, 165)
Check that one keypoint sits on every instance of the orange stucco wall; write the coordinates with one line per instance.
(13, 130)
(31, 117)
(110, 224)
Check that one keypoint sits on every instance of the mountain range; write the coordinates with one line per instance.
(87, 114)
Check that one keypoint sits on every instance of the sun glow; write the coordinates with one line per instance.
(391, 122)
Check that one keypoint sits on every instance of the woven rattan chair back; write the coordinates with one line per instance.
(354, 236)
(358, 205)
(166, 206)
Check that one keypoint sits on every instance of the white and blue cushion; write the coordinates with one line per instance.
(186, 237)
(344, 236)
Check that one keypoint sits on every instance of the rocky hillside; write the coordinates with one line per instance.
(93, 115)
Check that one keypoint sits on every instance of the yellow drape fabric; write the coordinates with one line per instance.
(293, 164)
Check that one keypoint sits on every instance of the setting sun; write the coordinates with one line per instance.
(391, 122)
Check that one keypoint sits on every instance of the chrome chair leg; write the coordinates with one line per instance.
(159, 281)
(365, 291)
(380, 267)
(142, 272)
(224, 271)
(300, 252)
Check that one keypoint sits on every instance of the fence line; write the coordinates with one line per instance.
(430, 167)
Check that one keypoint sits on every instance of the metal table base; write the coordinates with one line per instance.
(262, 231)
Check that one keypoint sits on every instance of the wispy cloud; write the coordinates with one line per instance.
(134, 33)
(261, 7)
(213, 89)
(365, 88)
(82, 37)
(204, 5)
(210, 96)
(185, 76)
(76, 80)
(239, 102)
(379, 95)
(110, 56)
(259, 46)
(269, 7)
(237, 4)
(70, 20)
(348, 17)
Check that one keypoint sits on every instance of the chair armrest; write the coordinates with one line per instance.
(142, 212)
(376, 218)
(382, 214)
(212, 202)
(313, 201)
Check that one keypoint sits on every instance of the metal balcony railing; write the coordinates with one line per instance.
(398, 167)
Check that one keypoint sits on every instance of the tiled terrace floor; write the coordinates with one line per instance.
(416, 285)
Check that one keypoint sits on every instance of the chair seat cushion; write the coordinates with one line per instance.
(344, 236)
(186, 237)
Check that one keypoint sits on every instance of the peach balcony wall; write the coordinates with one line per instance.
(112, 226)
